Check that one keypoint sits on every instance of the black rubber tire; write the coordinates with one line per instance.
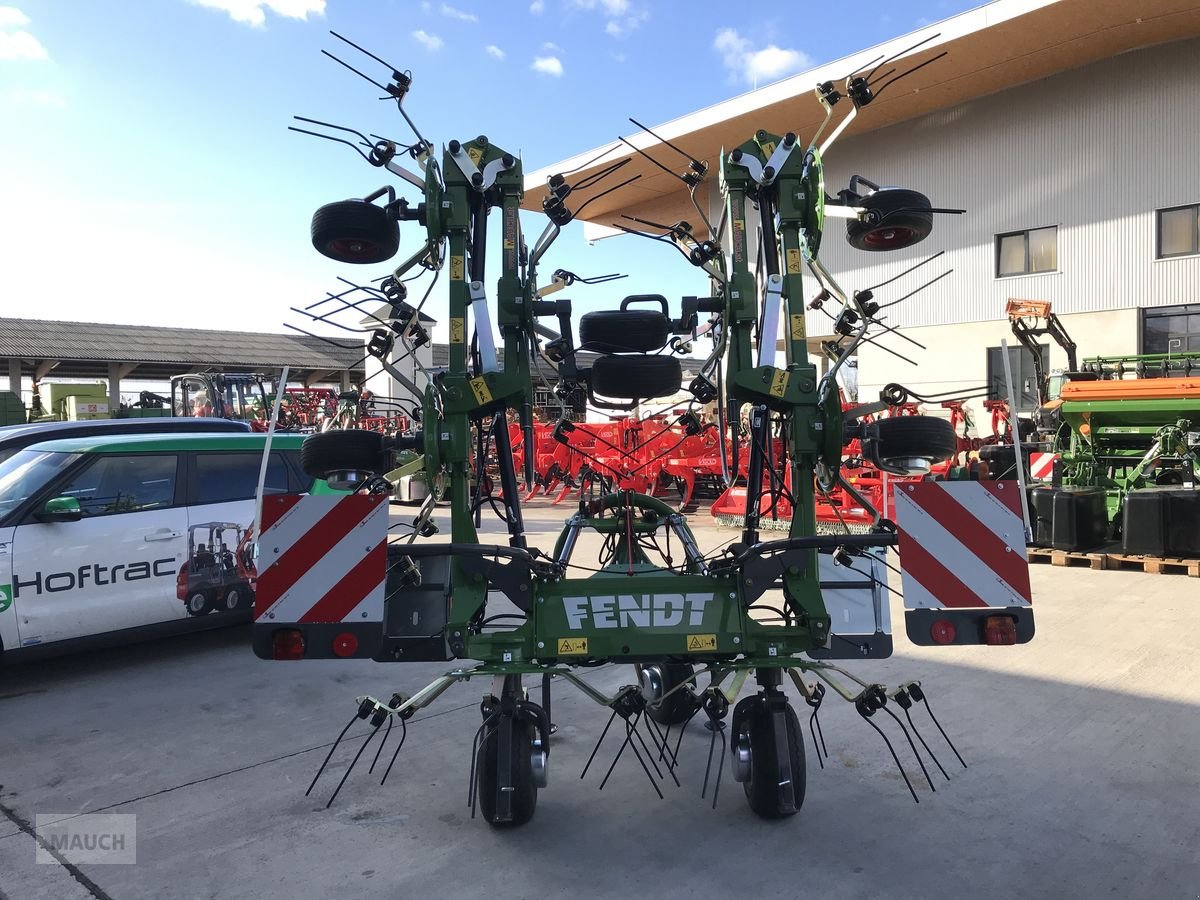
(353, 450)
(900, 218)
(195, 608)
(762, 788)
(925, 437)
(524, 798)
(354, 231)
(679, 707)
(623, 331)
(636, 377)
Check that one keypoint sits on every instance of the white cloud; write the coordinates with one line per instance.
(537, 7)
(551, 47)
(622, 17)
(253, 12)
(20, 45)
(493, 51)
(611, 7)
(430, 42)
(621, 27)
(32, 97)
(452, 13)
(11, 17)
(548, 65)
(751, 65)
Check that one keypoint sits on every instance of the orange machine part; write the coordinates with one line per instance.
(1139, 389)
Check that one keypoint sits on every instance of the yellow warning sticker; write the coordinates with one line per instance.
(458, 268)
(699, 642)
(475, 153)
(480, 389)
(779, 383)
(798, 327)
(794, 261)
(457, 331)
(572, 646)
(768, 148)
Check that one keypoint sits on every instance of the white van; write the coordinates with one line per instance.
(94, 535)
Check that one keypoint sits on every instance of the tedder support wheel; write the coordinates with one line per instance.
(900, 442)
(659, 678)
(343, 458)
(896, 218)
(636, 377)
(355, 231)
(768, 797)
(487, 761)
(623, 331)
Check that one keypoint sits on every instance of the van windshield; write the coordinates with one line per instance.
(25, 473)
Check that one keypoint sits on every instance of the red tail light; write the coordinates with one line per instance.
(1000, 630)
(943, 631)
(345, 645)
(287, 643)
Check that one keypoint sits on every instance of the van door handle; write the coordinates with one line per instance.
(163, 534)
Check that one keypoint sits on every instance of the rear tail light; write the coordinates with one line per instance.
(287, 643)
(345, 645)
(1000, 630)
(943, 631)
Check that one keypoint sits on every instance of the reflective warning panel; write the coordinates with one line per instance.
(964, 571)
(322, 559)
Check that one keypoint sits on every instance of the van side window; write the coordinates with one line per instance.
(225, 477)
(120, 484)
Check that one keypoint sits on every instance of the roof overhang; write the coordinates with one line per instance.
(989, 49)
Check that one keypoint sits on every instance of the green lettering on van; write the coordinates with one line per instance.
(5, 596)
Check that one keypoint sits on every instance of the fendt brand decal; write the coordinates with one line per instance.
(98, 574)
(639, 611)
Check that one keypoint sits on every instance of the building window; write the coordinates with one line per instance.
(1027, 252)
(1024, 374)
(1179, 231)
(1171, 329)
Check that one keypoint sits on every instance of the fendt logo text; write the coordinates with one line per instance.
(637, 611)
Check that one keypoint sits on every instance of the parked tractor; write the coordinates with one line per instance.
(209, 580)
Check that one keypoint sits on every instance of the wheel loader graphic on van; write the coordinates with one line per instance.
(209, 579)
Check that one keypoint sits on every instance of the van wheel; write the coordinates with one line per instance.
(199, 603)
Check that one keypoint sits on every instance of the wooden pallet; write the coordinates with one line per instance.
(1153, 565)
(1096, 561)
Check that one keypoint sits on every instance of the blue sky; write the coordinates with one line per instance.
(149, 177)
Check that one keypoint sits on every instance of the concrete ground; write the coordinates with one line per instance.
(1084, 775)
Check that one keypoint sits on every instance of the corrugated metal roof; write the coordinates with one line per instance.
(39, 339)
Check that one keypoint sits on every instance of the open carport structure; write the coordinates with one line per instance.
(38, 349)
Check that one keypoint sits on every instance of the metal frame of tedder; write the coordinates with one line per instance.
(673, 617)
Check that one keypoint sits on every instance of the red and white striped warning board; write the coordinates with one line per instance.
(962, 544)
(1041, 466)
(322, 558)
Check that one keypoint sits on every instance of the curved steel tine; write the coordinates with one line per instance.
(913, 726)
(350, 768)
(596, 749)
(920, 761)
(899, 766)
(330, 137)
(352, 131)
(632, 729)
(387, 731)
(919, 695)
(403, 735)
(812, 720)
(620, 750)
(475, 745)
(329, 755)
